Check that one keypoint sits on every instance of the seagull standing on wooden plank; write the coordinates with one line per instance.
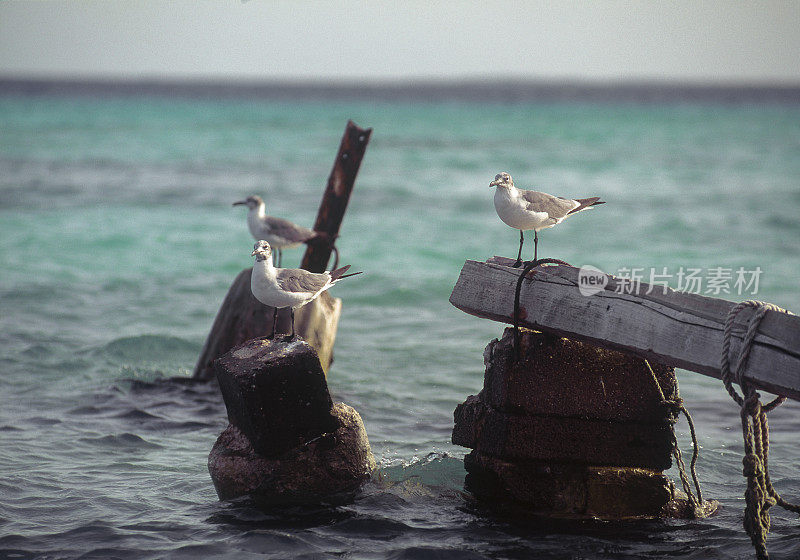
(288, 287)
(526, 210)
(281, 234)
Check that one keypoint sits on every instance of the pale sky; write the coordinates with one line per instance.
(676, 40)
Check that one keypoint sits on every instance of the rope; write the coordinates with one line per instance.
(528, 267)
(737, 375)
(674, 407)
(760, 495)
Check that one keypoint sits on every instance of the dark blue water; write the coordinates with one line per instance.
(118, 244)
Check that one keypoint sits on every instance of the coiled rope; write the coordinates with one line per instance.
(760, 494)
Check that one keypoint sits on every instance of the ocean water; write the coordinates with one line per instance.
(118, 243)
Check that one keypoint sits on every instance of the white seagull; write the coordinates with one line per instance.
(526, 210)
(287, 287)
(282, 234)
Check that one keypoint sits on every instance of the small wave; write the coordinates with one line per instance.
(372, 527)
(435, 469)
(432, 553)
(248, 513)
(137, 414)
(178, 389)
(126, 440)
(781, 222)
(148, 348)
(154, 526)
(85, 410)
(190, 425)
(18, 554)
(144, 357)
(43, 421)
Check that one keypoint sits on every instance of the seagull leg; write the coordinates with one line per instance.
(274, 322)
(292, 337)
(535, 244)
(519, 255)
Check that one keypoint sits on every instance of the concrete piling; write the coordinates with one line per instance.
(569, 429)
(287, 441)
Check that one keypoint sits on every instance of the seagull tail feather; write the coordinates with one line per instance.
(339, 273)
(586, 203)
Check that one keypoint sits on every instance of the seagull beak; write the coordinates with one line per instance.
(239, 203)
(493, 184)
(253, 254)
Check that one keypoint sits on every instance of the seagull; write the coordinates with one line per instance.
(526, 210)
(287, 287)
(282, 234)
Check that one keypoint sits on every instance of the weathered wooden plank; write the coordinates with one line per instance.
(675, 328)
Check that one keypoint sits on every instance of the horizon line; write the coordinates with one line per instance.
(512, 88)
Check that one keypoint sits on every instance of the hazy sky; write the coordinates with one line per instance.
(742, 40)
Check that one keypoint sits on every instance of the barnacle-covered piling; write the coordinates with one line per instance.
(287, 441)
(570, 429)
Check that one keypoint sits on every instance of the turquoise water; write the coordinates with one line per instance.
(118, 243)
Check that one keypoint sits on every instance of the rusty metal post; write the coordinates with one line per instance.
(242, 317)
(337, 195)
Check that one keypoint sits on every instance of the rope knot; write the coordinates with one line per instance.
(751, 466)
(752, 405)
(672, 408)
(760, 494)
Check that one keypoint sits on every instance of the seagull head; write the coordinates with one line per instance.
(502, 180)
(261, 250)
(251, 202)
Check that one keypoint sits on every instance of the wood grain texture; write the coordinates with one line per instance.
(675, 328)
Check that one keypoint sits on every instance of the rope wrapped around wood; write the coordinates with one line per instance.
(760, 494)
(528, 267)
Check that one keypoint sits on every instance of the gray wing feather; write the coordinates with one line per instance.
(296, 280)
(289, 230)
(555, 207)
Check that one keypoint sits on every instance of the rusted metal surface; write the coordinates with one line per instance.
(242, 317)
(337, 195)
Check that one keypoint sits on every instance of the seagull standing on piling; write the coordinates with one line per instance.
(281, 234)
(288, 287)
(531, 210)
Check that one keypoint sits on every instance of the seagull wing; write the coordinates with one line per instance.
(298, 281)
(556, 207)
(289, 230)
